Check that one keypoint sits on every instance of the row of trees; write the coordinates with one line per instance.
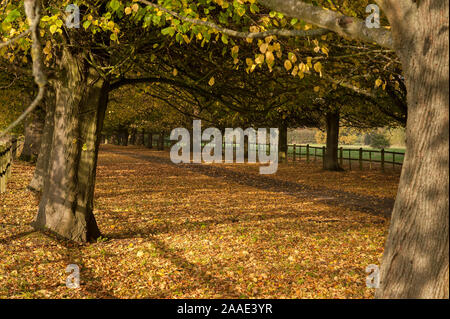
(283, 63)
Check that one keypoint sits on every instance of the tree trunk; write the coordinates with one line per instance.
(150, 140)
(33, 135)
(140, 138)
(133, 137)
(283, 143)
(37, 182)
(416, 258)
(66, 205)
(161, 142)
(123, 133)
(330, 160)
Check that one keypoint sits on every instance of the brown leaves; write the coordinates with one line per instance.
(186, 232)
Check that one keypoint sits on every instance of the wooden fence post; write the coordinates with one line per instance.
(295, 152)
(307, 153)
(382, 159)
(341, 156)
(323, 156)
(360, 158)
(350, 158)
(393, 161)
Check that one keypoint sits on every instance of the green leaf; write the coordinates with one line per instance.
(114, 4)
(12, 16)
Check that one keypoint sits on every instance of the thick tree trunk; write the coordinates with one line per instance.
(416, 258)
(66, 205)
(37, 182)
(283, 143)
(330, 160)
(33, 135)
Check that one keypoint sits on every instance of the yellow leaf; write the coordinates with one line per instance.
(287, 65)
(378, 82)
(211, 81)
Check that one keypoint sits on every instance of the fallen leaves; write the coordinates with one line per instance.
(180, 232)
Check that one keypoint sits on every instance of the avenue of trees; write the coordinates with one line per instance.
(137, 67)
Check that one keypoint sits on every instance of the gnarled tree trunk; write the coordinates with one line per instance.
(40, 171)
(33, 135)
(416, 258)
(66, 205)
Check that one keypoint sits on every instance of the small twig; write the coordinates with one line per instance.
(11, 41)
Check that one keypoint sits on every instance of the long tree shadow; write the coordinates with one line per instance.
(197, 273)
(364, 203)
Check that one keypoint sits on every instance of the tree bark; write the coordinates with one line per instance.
(37, 182)
(33, 135)
(416, 258)
(66, 206)
(330, 160)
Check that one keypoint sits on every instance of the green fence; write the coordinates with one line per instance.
(351, 157)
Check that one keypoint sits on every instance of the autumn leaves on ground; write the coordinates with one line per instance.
(204, 231)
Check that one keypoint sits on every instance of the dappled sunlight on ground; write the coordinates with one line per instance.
(204, 231)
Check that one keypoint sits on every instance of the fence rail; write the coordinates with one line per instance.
(5, 164)
(347, 156)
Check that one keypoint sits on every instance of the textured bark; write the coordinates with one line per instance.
(416, 258)
(330, 160)
(33, 135)
(66, 205)
(37, 182)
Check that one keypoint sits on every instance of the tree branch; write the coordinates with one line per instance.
(343, 25)
(32, 8)
(238, 34)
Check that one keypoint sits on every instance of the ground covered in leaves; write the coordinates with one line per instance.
(204, 231)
